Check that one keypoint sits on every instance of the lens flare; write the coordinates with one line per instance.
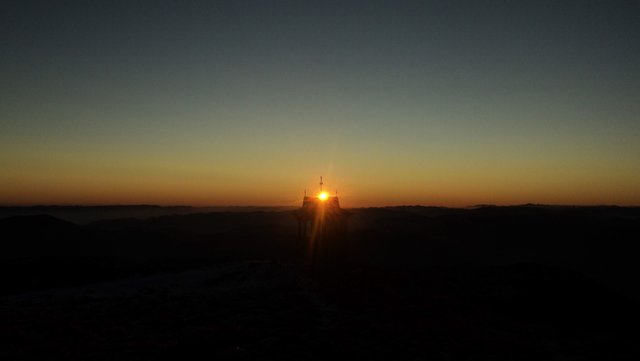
(323, 196)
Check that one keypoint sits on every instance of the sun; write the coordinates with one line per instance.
(323, 196)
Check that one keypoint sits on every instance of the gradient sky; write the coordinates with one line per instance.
(247, 102)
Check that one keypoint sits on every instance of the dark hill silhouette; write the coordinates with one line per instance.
(523, 282)
(44, 235)
(43, 251)
(203, 223)
(88, 214)
(598, 241)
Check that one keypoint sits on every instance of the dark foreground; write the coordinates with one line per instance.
(507, 283)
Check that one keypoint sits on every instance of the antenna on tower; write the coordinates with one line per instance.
(321, 184)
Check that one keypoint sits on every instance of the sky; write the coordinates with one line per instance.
(450, 103)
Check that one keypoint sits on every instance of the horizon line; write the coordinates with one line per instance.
(289, 206)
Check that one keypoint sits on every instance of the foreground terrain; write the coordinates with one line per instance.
(505, 283)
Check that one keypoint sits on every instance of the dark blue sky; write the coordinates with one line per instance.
(240, 102)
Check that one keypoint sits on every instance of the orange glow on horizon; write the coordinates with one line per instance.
(73, 182)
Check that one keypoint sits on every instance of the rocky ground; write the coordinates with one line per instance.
(269, 310)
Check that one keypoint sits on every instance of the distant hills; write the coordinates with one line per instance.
(490, 282)
(600, 242)
(87, 214)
